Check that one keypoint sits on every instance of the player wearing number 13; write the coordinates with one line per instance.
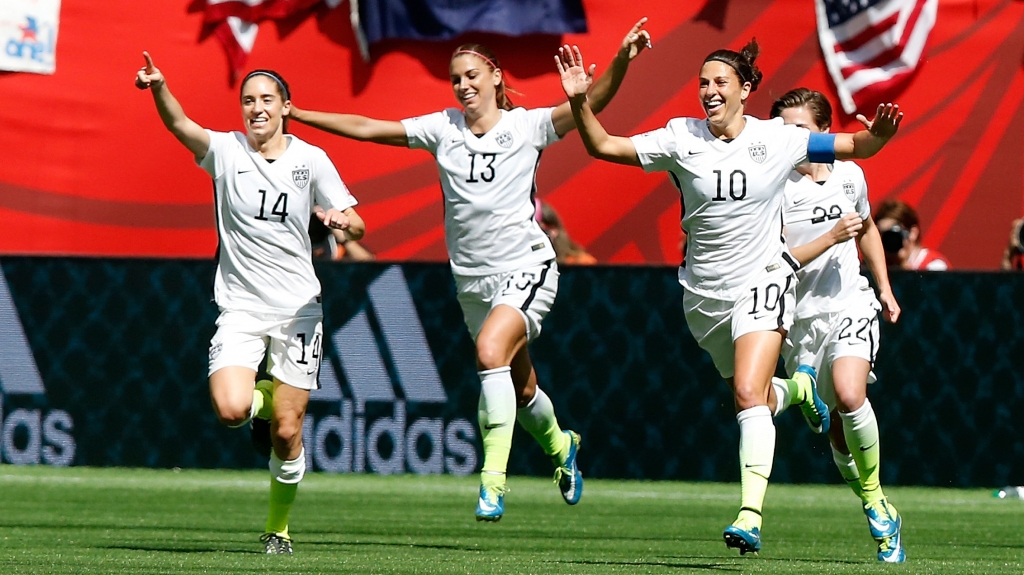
(738, 276)
(487, 153)
(266, 184)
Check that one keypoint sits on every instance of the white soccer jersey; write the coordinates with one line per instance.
(264, 256)
(732, 195)
(488, 184)
(829, 282)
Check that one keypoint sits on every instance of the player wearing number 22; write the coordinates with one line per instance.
(836, 318)
(738, 275)
(267, 184)
(487, 153)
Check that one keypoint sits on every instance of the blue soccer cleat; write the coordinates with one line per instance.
(568, 475)
(814, 409)
(746, 541)
(883, 519)
(890, 549)
(491, 505)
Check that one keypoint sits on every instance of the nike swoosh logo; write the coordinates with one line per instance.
(876, 525)
(245, 171)
(486, 505)
(495, 426)
(693, 152)
(869, 447)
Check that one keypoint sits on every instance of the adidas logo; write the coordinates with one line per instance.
(380, 350)
(28, 435)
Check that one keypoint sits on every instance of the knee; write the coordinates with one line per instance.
(748, 395)
(490, 355)
(288, 429)
(231, 413)
(849, 397)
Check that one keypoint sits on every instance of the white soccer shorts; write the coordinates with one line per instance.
(294, 344)
(820, 340)
(716, 324)
(530, 290)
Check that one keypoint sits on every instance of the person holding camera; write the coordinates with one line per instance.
(1013, 255)
(901, 239)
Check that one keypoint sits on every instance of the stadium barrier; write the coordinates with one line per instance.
(103, 362)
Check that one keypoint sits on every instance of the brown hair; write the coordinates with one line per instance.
(742, 62)
(899, 211)
(815, 102)
(550, 220)
(488, 57)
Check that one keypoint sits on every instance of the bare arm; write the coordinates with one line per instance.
(848, 227)
(870, 243)
(604, 89)
(189, 133)
(598, 142)
(347, 220)
(354, 126)
(868, 142)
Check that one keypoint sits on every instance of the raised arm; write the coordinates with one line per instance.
(354, 126)
(870, 243)
(189, 133)
(599, 143)
(604, 89)
(868, 142)
(847, 228)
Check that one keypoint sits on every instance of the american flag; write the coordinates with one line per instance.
(872, 47)
(236, 22)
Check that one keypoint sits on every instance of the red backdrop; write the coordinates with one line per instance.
(88, 168)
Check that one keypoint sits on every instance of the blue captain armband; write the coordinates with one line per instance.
(821, 148)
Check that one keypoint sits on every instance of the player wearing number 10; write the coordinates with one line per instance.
(487, 154)
(266, 184)
(738, 276)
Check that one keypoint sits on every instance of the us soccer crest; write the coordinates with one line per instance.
(849, 190)
(504, 139)
(301, 177)
(758, 153)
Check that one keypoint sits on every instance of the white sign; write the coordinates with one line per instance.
(28, 35)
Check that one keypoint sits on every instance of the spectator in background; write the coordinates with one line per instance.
(331, 245)
(1013, 255)
(901, 239)
(567, 251)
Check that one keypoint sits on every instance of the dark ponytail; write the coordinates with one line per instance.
(742, 62)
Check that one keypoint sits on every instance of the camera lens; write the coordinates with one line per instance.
(892, 240)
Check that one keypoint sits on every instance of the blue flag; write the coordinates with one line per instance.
(444, 19)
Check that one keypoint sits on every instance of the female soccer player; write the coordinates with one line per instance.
(266, 185)
(487, 153)
(738, 276)
(836, 318)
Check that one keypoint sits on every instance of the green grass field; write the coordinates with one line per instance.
(86, 521)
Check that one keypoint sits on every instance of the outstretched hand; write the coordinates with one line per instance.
(887, 121)
(334, 219)
(149, 75)
(636, 40)
(576, 78)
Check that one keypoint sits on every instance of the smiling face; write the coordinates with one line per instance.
(722, 95)
(474, 83)
(263, 108)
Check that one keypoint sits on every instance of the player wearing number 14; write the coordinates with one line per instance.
(266, 185)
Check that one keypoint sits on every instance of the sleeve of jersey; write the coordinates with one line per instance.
(539, 127)
(213, 161)
(863, 205)
(328, 189)
(424, 132)
(656, 149)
